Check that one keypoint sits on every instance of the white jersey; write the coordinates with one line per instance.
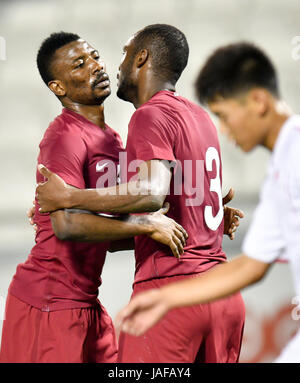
(275, 228)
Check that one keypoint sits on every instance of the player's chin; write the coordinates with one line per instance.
(121, 94)
(102, 94)
(246, 147)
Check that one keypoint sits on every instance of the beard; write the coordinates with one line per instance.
(99, 99)
(99, 94)
(126, 87)
(93, 98)
(124, 90)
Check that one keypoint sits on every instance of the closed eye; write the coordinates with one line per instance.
(80, 64)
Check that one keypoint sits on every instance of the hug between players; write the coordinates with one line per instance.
(165, 202)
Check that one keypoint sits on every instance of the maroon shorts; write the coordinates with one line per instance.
(206, 333)
(74, 335)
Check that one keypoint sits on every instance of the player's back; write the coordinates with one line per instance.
(169, 127)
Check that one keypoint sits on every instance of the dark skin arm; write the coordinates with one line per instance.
(87, 227)
(58, 224)
(57, 221)
(155, 180)
(145, 195)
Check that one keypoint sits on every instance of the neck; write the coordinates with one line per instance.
(93, 113)
(276, 120)
(148, 88)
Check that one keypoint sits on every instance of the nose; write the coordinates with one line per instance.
(97, 66)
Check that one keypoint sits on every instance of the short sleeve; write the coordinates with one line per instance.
(264, 240)
(151, 135)
(65, 155)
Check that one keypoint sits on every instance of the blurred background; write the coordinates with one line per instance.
(27, 107)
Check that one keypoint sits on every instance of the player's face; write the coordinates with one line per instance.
(125, 77)
(239, 121)
(82, 73)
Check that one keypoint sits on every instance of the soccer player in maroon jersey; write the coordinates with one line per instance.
(52, 311)
(179, 149)
(239, 84)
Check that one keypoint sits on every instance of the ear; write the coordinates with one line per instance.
(57, 88)
(259, 99)
(141, 57)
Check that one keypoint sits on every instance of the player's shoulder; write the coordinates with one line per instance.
(291, 125)
(63, 126)
(147, 114)
(61, 132)
(162, 104)
(148, 108)
(175, 103)
(293, 139)
(294, 127)
(195, 107)
(68, 122)
(289, 137)
(286, 153)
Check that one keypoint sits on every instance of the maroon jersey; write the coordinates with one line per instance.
(65, 274)
(169, 127)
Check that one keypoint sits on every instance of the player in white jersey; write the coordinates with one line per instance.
(239, 85)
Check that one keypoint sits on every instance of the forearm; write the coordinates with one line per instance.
(221, 281)
(92, 228)
(146, 194)
(134, 197)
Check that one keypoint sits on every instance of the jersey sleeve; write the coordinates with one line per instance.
(65, 155)
(151, 135)
(264, 240)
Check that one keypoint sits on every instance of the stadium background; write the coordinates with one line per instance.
(27, 107)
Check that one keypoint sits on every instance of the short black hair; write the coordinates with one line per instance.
(234, 69)
(168, 48)
(47, 49)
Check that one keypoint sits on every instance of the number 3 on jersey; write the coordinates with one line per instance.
(213, 222)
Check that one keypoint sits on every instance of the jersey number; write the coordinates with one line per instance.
(213, 222)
